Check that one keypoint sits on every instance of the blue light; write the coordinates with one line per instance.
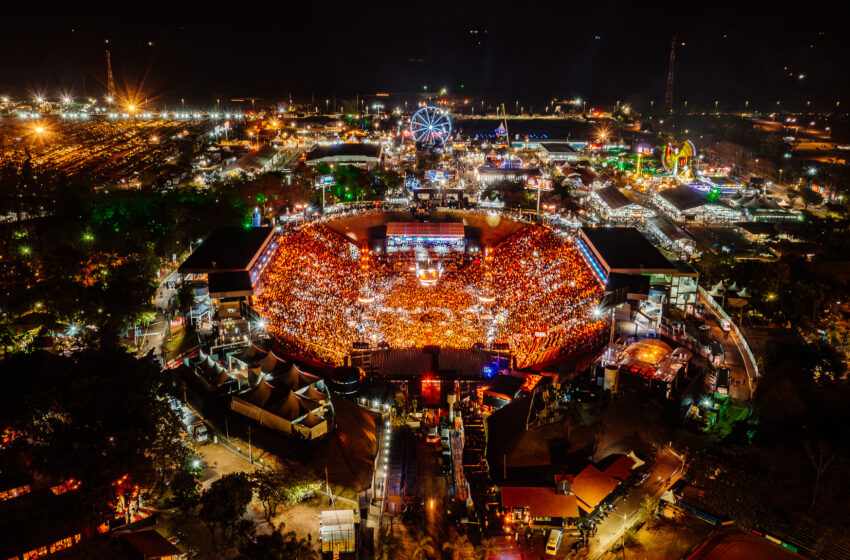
(592, 262)
(488, 372)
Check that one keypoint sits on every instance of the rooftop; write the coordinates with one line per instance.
(613, 197)
(684, 198)
(255, 160)
(541, 502)
(625, 249)
(230, 282)
(505, 386)
(151, 544)
(670, 230)
(227, 249)
(558, 147)
(592, 486)
(349, 150)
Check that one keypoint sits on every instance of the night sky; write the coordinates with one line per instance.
(531, 51)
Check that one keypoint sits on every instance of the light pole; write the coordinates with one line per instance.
(625, 517)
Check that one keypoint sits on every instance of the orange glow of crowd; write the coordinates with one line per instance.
(320, 294)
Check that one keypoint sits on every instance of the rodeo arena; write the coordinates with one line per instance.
(340, 339)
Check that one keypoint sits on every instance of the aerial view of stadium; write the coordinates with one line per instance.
(429, 284)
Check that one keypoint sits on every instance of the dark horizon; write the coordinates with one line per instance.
(530, 53)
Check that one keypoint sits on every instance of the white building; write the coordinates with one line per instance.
(558, 152)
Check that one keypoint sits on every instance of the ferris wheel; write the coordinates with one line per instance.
(430, 125)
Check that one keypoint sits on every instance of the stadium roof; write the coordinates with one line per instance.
(625, 250)
(344, 150)
(228, 249)
(232, 283)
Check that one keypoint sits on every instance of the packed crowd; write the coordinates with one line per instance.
(545, 293)
(321, 294)
(309, 290)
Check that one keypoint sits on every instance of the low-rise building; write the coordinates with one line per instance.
(670, 236)
(614, 205)
(762, 208)
(552, 152)
(685, 203)
(490, 175)
(360, 155)
(568, 497)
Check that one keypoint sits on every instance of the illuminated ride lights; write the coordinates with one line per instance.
(431, 126)
(676, 159)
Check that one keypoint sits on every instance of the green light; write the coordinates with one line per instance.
(88, 237)
(25, 250)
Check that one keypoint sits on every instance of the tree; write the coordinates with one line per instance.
(271, 489)
(460, 547)
(487, 549)
(185, 488)
(734, 488)
(572, 418)
(388, 545)
(196, 535)
(821, 455)
(809, 196)
(96, 416)
(649, 507)
(278, 546)
(226, 501)
(598, 429)
(422, 546)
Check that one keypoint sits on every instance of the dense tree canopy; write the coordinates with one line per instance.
(94, 417)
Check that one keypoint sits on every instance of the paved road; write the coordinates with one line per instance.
(153, 336)
(741, 368)
(434, 491)
(662, 475)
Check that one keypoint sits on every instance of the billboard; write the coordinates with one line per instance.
(438, 175)
(322, 181)
(538, 183)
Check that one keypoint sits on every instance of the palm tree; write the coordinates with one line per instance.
(598, 429)
(487, 549)
(460, 547)
(387, 546)
(422, 546)
(572, 418)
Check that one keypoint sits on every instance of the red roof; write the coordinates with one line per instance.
(541, 502)
(621, 469)
(592, 486)
(151, 544)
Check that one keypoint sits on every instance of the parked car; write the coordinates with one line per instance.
(642, 480)
(554, 542)
(722, 376)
